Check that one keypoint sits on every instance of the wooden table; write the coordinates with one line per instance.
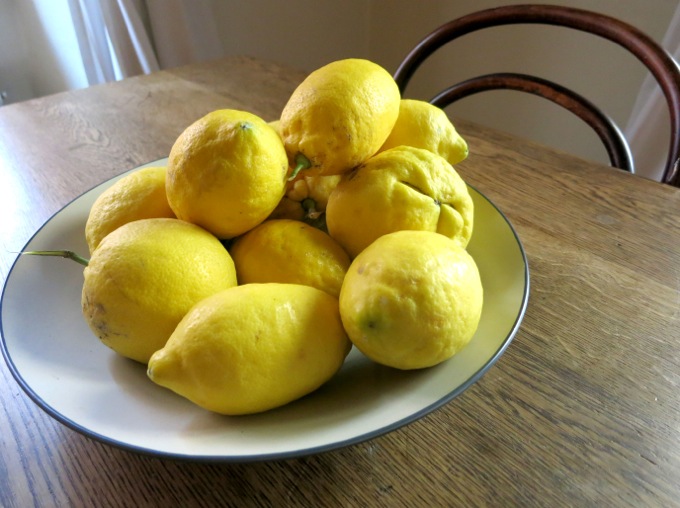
(583, 409)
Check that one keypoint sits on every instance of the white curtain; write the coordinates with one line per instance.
(121, 38)
(648, 127)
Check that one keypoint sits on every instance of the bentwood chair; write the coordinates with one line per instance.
(659, 62)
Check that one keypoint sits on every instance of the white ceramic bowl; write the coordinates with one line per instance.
(68, 373)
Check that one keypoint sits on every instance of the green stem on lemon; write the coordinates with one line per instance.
(314, 217)
(309, 206)
(69, 254)
(301, 162)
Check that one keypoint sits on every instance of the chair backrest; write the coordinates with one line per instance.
(659, 62)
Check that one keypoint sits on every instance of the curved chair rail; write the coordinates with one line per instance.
(660, 63)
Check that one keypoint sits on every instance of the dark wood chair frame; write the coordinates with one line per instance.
(659, 62)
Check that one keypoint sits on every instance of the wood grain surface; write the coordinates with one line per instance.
(583, 409)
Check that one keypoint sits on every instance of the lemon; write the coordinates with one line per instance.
(306, 199)
(316, 188)
(138, 195)
(290, 251)
(226, 172)
(400, 188)
(145, 276)
(423, 125)
(253, 348)
(412, 299)
(288, 209)
(276, 125)
(339, 116)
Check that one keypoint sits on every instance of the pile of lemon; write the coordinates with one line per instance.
(244, 271)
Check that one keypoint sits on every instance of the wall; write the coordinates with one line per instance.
(39, 55)
(308, 33)
(596, 68)
(303, 33)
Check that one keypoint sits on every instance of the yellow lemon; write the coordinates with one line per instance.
(339, 116)
(423, 125)
(137, 195)
(276, 125)
(306, 199)
(290, 251)
(253, 348)
(316, 188)
(226, 172)
(145, 276)
(288, 209)
(400, 188)
(412, 299)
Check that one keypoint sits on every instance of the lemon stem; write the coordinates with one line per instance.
(68, 254)
(301, 162)
(309, 206)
